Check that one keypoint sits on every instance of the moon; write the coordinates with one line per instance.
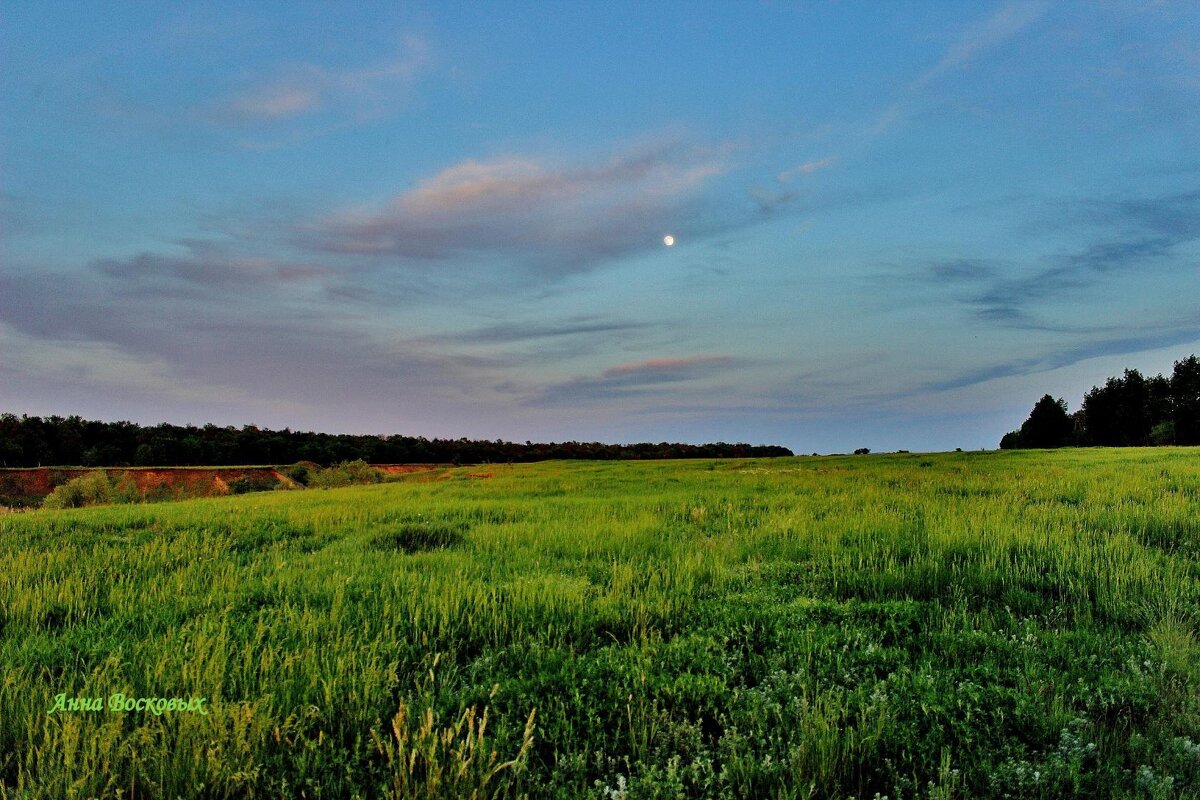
(668, 240)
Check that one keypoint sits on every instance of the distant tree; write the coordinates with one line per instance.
(1011, 441)
(1131, 410)
(1078, 428)
(1158, 400)
(1100, 414)
(30, 441)
(1119, 413)
(1185, 400)
(1049, 424)
(11, 452)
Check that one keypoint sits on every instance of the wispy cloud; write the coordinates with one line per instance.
(632, 380)
(82, 362)
(209, 266)
(1135, 234)
(978, 39)
(807, 168)
(509, 332)
(306, 100)
(657, 370)
(1160, 336)
(276, 101)
(246, 309)
(997, 29)
(150, 326)
(961, 270)
(550, 216)
(1143, 234)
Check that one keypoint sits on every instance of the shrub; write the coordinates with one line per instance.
(862, 451)
(250, 483)
(1163, 433)
(93, 488)
(299, 472)
(161, 492)
(347, 473)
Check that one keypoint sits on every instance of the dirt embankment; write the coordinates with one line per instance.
(150, 481)
(397, 469)
(27, 486)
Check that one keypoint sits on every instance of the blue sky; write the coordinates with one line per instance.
(896, 225)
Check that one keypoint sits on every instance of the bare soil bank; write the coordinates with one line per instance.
(397, 469)
(34, 483)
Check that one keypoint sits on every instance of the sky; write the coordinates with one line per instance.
(896, 225)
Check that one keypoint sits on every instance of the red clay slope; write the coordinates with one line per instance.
(197, 481)
(34, 482)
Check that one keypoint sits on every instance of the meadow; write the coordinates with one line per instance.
(963, 625)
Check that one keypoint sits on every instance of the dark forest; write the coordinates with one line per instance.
(29, 441)
(1129, 411)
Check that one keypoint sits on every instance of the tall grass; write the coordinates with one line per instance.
(1013, 624)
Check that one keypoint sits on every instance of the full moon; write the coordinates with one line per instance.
(668, 240)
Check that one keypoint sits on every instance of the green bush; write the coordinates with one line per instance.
(298, 472)
(1163, 433)
(94, 488)
(347, 473)
(250, 483)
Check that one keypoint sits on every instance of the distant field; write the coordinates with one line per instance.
(970, 625)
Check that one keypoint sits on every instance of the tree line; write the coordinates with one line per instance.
(1129, 411)
(30, 441)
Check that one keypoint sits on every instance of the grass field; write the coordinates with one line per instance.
(971, 625)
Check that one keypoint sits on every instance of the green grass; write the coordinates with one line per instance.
(973, 625)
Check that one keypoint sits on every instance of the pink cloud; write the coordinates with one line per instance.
(550, 215)
(641, 379)
(308, 88)
(665, 365)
